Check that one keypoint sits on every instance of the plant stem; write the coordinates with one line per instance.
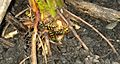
(34, 35)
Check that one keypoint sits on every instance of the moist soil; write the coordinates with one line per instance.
(70, 51)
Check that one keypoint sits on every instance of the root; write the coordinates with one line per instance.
(4, 30)
(17, 15)
(33, 49)
(47, 43)
(44, 52)
(114, 50)
(73, 30)
(24, 60)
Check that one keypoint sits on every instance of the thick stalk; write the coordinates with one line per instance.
(37, 18)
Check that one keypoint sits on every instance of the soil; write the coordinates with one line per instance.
(70, 51)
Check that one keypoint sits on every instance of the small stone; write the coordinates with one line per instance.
(2, 62)
(77, 26)
(97, 21)
(97, 57)
(115, 63)
(87, 61)
(111, 25)
(1, 49)
(95, 60)
(64, 54)
(9, 60)
(63, 50)
(107, 61)
(63, 60)
(1, 57)
(119, 1)
(117, 40)
(78, 62)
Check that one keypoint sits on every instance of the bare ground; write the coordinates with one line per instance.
(70, 51)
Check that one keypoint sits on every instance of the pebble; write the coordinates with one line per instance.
(115, 63)
(9, 60)
(63, 50)
(1, 57)
(87, 61)
(117, 40)
(118, 1)
(2, 62)
(1, 48)
(63, 60)
(95, 60)
(78, 62)
(96, 57)
(107, 61)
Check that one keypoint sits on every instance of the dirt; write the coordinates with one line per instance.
(70, 51)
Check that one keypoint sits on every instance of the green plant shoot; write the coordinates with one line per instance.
(49, 6)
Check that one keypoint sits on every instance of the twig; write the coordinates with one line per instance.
(24, 60)
(47, 42)
(33, 49)
(21, 12)
(44, 52)
(114, 50)
(96, 11)
(4, 30)
(56, 43)
(18, 25)
(73, 30)
(5, 42)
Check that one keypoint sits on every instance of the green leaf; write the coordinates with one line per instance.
(42, 6)
(52, 8)
(49, 6)
(59, 3)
